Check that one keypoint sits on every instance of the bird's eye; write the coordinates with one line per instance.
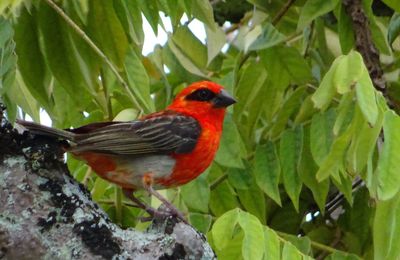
(205, 94)
(202, 94)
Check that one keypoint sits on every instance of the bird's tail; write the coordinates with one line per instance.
(47, 131)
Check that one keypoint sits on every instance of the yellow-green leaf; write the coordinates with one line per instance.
(326, 90)
(272, 245)
(387, 172)
(253, 241)
(366, 99)
(222, 230)
(348, 72)
(289, 251)
(314, 8)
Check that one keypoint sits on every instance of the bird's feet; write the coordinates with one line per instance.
(165, 211)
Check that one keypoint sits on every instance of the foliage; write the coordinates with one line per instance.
(308, 125)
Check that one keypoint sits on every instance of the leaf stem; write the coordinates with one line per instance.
(282, 12)
(87, 176)
(314, 244)
(118, 204)
(107, 97)
(96, 49)
(111, 202)
(218, 181)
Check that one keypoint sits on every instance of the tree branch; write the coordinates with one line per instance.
(46, 214)
(364, 43)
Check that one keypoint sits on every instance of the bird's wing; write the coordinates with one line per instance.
(161, 133)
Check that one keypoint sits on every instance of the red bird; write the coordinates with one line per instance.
(161, 150)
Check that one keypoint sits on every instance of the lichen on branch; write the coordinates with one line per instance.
(46, 214)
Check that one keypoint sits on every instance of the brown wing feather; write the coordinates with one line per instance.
(156, 134)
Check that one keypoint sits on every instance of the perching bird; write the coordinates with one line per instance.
(161, 150)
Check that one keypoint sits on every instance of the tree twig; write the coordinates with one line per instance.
(96, 49)
(282, 12)
(364, 43)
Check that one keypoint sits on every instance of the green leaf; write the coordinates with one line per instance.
(222, 199)
(240, 178)
(8, 7)
(344, 182)
(366, 98)
(321, 135)
(107, 31)
(345, 113)
(250, 83)
(61, 55)
(303, 244)
(334, 160)
(348, 72)
(190, 46)
(326, 90)
(174, 65)
(8, 59)
(215, 41)
(393, 28)
(292, 219)
(394, 4)
(173, 10)
(20, 94)
(338, 255)
(99, 189)
(233, 249)
(386, 229)
(291, 105)
(129, 216)
(388, 168)
(266, 169)
(378, 36)
(253, 242)
(11, 111)
(307, 171)
(30, 60)
(272, 245)
(150, 11)
(253, 201)
(138, 80)
(202, 10)
(313, 9)
(291, 143)
(306, 111)
(127, 114)
(231, 148)
(363, 143)
(345, 29)
(202, 222)
(268, 38)
(189, 51)
(131, 19)
(358, 217)
(196, 194)
(222, 230)
(62, 114)
(290, 61)
(289, 251)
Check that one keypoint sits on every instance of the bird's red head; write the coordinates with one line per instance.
(204, 99)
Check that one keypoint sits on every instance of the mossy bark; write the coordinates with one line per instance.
(46, 214)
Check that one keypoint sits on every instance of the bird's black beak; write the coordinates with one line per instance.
(223, 99)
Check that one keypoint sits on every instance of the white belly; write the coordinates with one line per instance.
(131, 170)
